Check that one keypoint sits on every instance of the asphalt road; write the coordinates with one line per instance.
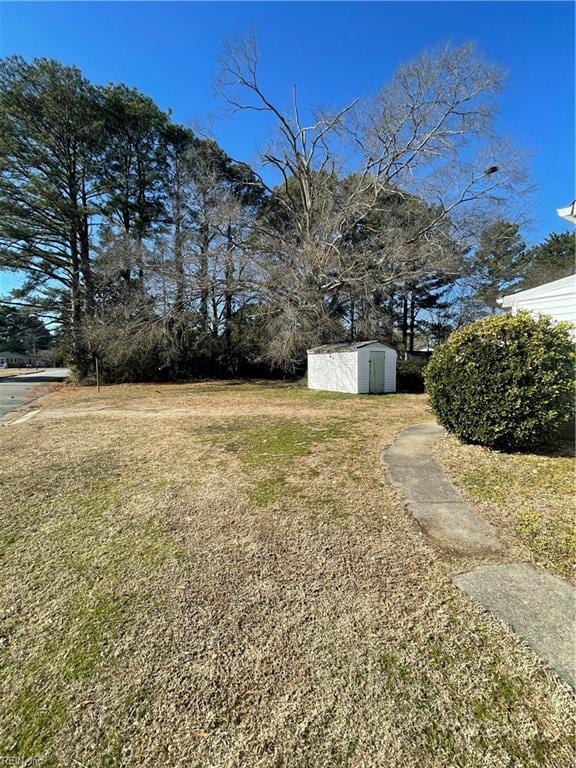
(16, 391)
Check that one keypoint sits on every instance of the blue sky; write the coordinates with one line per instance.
(334, 52)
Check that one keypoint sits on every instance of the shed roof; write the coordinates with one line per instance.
(346, 346)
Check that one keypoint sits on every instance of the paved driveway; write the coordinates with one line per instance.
(16, 391)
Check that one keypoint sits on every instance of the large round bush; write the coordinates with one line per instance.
(505, 381)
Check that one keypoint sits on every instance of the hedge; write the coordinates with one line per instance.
(505, 382)
(410, 375)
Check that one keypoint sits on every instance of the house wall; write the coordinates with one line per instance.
(14, 360)
(555, 299)
(364, 368)
(560, 306)
(335, 372)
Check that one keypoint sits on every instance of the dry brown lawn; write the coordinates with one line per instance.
(6, 372)
(529, 497)
(220, 576)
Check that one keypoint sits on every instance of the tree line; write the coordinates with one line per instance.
(147, 246)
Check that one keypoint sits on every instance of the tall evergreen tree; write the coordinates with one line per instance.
(134, 164)
(551, 260)
(22, 332)
(49, 128)
(499, 262)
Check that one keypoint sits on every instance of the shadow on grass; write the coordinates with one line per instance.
(226, 383)
(555, 449)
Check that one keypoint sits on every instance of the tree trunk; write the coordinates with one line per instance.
(203, 279)
(352, 318)
(78, 351)
(141, 221)
(215, 321)
(76, 313)
(178, 254)
(85, 253)
(412, 322)
(405, 320)
(228, 294)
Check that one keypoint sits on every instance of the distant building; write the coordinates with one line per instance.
(10, 359)
(423, 349)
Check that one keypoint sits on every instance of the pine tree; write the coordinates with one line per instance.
(48, 151)
(499, 262)
(551, 260)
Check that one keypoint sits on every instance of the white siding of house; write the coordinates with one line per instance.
(559, 307)
(557, 299)
(333, 371)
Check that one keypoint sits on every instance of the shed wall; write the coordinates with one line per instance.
(364, 368)
(390, 379)
(335, 372)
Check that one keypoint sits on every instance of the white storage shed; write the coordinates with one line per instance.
(361, 367)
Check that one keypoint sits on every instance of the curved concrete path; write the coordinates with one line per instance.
(432, 498)
(539, 607)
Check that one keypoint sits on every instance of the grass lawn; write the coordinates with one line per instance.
(529, 497)
(219, 575)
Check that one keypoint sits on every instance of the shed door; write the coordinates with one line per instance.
(376, 379)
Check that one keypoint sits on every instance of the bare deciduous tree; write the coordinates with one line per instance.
(373, 195)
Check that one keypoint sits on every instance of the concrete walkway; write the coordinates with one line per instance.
(430, 496)
(540, 608)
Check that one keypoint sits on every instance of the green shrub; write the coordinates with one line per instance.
(505, 381)
(410, 375)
